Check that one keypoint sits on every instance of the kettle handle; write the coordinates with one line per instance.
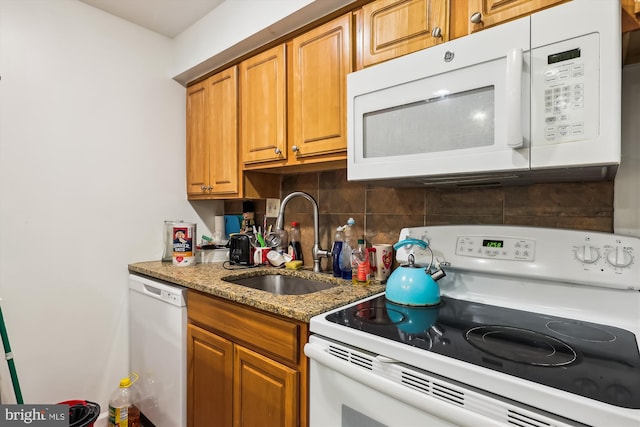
(410, 241)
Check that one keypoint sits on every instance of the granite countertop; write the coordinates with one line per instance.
(208, 278)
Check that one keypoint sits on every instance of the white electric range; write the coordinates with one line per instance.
(537, 327)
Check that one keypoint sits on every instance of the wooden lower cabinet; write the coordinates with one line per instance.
(209, 378)
(264, 391)
(245, 367)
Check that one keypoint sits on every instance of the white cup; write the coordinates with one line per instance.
(275, 258)
(384, 261)
(261, 255)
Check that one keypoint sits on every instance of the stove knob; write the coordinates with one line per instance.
(619, 257)
(587, 254)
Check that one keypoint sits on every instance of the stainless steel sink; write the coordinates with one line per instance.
(281, 284)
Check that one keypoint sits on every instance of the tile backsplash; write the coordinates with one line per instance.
(380, 212)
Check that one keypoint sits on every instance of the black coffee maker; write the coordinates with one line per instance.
(240, 249)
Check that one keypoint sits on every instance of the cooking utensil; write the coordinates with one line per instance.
(411, 284)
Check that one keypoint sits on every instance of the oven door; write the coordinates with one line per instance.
(345, 395)
(457, 108)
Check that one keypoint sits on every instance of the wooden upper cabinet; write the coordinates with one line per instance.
(487, 13)
(223, 123)
(197, 139)
(391, 28)
(212, 137)
(630, 15)
(263, 86)
(319, 62)
(631, 31)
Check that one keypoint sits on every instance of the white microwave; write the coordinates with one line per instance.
(532, 100)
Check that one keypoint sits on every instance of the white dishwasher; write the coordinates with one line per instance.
(158, 346)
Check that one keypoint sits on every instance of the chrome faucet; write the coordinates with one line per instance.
(316, 251)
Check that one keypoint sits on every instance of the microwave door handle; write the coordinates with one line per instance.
(514, 98)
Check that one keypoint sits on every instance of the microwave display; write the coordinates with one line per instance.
(563, 56)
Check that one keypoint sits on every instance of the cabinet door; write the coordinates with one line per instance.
(630, 15)
(210, 379)
(197, 139)
(392, 28)
(263, 106)
(223, 131)
(265, 392)
(320, 61)
(487, 13)
(631, 35)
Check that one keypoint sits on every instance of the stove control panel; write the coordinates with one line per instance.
(561, 255)
(496, 248)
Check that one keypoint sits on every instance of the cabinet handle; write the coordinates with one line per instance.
(209, 188)
(203, 188)
(436, 33)
(476, 18)
(295, 149)
(277, 151)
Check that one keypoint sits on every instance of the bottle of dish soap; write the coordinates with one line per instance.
(347, 247)
(123, 409)
(336, 250)
(295, 248)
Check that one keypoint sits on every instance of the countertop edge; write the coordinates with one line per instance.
(209, 278)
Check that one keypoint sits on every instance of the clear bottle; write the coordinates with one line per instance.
(283, 237)
(336, 250)
(347, 247)
(123, 409)
(360, 265)
(295, 248)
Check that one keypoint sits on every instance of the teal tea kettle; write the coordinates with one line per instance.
(411, 284)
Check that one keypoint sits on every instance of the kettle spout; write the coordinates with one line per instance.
(438, 274)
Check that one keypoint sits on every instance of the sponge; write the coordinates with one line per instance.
(293, 265)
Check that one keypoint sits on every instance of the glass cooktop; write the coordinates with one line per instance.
(596, 361)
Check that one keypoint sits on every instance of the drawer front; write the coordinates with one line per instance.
(260, 331)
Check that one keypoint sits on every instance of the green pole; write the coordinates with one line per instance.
(9, 356)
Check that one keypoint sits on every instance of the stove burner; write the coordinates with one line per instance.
(580, 331)
(379, 316)
(521, 345)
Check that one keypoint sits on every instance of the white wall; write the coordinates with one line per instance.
(627, 186)
(92, 160)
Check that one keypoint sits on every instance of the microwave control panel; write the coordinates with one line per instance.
(565, 91)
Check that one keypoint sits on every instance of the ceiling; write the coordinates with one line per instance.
(166, 17)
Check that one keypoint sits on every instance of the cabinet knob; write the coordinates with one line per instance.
(203, 188)
(476, 18)
(277, 151)
(295, 149)
(436, 32)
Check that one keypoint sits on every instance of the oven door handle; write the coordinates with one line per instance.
(385, 359)
(373, 380)
(514, 98)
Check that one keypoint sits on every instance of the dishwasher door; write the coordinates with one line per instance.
(158, 345)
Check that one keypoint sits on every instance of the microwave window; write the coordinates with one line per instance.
(444, 123)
